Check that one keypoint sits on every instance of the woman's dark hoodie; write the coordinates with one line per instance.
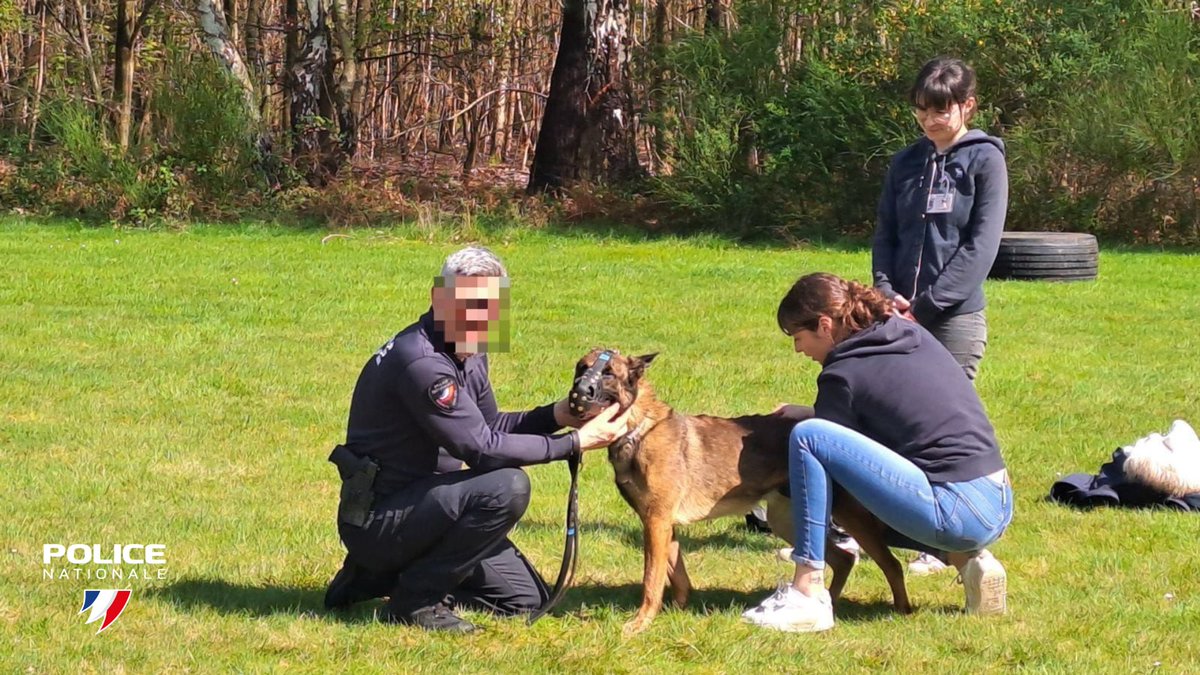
(939, 261)
(895, 383)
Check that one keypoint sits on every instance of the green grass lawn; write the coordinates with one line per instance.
(185, 388)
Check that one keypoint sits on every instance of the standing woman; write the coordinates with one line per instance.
(940, 220)
(900, 428)
(942, 213)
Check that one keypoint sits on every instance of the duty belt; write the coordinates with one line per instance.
(358, 481)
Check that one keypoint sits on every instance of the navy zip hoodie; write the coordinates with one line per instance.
(938, 261)
(895, 383)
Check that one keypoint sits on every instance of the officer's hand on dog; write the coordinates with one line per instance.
(564, 417)
(603, 429)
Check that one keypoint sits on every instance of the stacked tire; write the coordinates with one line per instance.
(1047, 256)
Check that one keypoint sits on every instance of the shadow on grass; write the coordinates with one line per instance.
(258, 601)
(265, 601)
(628, 597)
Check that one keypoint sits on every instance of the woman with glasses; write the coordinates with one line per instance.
(940, 219)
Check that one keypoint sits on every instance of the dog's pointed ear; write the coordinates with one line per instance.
(638, 365)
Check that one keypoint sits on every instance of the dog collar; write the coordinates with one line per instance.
(633, 439)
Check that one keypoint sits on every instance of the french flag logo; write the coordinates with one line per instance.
(104, 604)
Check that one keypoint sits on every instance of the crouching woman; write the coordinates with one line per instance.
(900, 427)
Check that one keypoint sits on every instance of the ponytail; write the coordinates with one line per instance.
(851, 305)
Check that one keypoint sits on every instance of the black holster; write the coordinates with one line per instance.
(358, 480)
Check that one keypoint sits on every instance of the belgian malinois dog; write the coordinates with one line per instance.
(675, 469)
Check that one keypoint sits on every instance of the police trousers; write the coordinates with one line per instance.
(445, 538)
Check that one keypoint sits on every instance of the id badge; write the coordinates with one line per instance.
(939, 202)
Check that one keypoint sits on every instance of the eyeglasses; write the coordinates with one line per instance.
(925, 113)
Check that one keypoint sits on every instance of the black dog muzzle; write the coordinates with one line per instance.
(586, 399)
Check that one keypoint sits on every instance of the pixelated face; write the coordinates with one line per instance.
(472, 313)
(619, 380)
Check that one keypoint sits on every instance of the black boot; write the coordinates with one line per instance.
(354, 583)
(436, 617)
(756, 524)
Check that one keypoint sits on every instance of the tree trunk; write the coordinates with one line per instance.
(231, 20)
(554, 159)
(216, 35)
(316, 150)
(657, 94)
(358, 90)
(85, 49)
(588, 127)
(291, 55)
(123, 71)
(714, 16)
(255, 58)
(39, 78)
(344, 25)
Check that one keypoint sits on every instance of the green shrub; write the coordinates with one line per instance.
(201, 128)
(1092, 99)
(195, 153)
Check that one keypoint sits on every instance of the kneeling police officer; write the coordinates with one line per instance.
(419, 527)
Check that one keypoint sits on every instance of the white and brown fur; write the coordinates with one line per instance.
(675, 469)
(1169, 464)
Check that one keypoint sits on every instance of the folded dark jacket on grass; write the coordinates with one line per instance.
(1113, 486)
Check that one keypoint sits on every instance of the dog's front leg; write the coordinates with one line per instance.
(657, 542)
(681, 585)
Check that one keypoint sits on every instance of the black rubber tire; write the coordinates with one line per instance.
(1050, 256)
(1054, 276)
(1055, 250)
(1049, 266)
(1066, 258)
(1048, 238)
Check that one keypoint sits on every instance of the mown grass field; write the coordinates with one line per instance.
(185, 388)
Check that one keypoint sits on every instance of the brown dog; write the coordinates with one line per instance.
(675, 469)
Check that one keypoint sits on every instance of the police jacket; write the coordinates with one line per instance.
(418, 410)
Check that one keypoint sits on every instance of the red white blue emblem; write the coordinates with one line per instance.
(444, 393)
(104, 604)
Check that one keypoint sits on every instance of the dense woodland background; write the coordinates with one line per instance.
(756, 118)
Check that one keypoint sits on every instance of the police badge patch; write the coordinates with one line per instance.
(444, 393)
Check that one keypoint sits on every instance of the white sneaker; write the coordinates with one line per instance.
(926, 564)
(784, 554)
(986, 585)
(792, 611)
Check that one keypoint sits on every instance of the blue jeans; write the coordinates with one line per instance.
(964, 516)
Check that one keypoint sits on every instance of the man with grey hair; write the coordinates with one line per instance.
(432, 483)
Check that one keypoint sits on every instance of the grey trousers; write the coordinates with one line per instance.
(965, 337)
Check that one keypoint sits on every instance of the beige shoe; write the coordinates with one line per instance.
(986, 585)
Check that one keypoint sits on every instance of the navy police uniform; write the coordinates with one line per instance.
(449, 488)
